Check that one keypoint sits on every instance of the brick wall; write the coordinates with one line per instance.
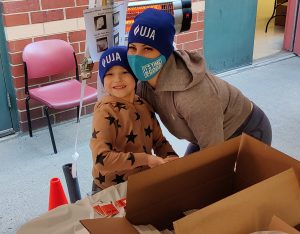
(26, 21)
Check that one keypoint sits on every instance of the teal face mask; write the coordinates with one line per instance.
(144, 68)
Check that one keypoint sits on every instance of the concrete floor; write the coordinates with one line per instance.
(28, 164)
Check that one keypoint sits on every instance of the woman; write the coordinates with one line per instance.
(192, 103)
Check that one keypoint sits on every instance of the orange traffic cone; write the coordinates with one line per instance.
(57, 195)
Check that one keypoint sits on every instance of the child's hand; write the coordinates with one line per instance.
(169, 159)
(154, 161)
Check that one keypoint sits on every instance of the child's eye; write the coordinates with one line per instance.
(125, 72)
(108, 74)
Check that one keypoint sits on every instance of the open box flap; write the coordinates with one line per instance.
(250, 209)
(278, 224)
(265, 161)
(108, 226)
(160, 195)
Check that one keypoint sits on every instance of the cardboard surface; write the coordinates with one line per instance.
(108, 226)
(160, 195)
(278, 224)
(249, 210)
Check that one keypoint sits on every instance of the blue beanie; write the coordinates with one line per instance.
(114, 56)
(154, 28)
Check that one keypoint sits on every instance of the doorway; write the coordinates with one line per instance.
(268, 39)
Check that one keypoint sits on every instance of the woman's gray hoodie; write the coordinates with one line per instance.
(194, 104)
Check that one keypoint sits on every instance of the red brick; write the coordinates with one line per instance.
(46, 16)
(36, 124)
(32, 104)
(20, 6)
(197, 26)
(77, 36)
(75, 12)
(66, 115)
(17, 71)
(17, 46)
(89, 108)
(82, 2)
(75, 47)
(200, 35)
(14, 20)
(195, 17)
(34, 114)
(20, 93)
(82, 47)
(51, 4)
(201, 16)
(16, 58)
(193, 45)
(62, 36)
(179, 46)
(186, 37)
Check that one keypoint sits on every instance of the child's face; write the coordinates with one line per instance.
(120, 83)
(143, 50)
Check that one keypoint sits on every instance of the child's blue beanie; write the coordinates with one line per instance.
(114, 56)
(154, 28)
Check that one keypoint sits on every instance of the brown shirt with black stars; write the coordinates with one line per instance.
(124, 135)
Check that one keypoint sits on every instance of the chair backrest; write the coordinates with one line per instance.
(48, 57)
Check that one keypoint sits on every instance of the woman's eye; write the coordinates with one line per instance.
(131, 47)
(148, 48)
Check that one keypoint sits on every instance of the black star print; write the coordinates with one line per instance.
(152, 115)
(94, 135)
(109, 145)
(171, 153)
(100, 158)
(145, 150)
(148, 131)
(120, 106)
(101, 178)
(164, 141)
(131, 158)
(137, 116)
(119, 179)
(117, 124)
(111, 119)
(131, 137)
(140, 101)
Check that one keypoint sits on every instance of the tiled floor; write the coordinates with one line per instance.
(270, 43)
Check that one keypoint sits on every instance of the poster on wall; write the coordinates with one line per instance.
(105, 27)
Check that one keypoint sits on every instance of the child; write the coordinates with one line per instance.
(125, 129)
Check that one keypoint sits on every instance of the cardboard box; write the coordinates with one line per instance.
(278, 224)
(160, 196)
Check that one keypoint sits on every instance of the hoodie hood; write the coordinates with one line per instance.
(182, 71)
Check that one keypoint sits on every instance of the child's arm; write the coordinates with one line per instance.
(103, 145)
(161, 146)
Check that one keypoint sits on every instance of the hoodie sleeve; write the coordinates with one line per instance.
(103, 144)
(161, 146)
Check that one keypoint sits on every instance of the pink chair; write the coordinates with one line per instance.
(51, 57)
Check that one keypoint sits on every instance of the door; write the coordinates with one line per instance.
(8, 110)
(229, 29)
(291, 40)
(297, 33)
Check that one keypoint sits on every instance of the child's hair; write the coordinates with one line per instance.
(154, 28)
(114, 56)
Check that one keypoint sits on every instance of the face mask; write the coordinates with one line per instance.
(144, 68)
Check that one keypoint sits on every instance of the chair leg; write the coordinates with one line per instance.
(50, 129)
(77, 114)
(28, 116)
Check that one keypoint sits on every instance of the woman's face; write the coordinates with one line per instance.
(142, 50)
